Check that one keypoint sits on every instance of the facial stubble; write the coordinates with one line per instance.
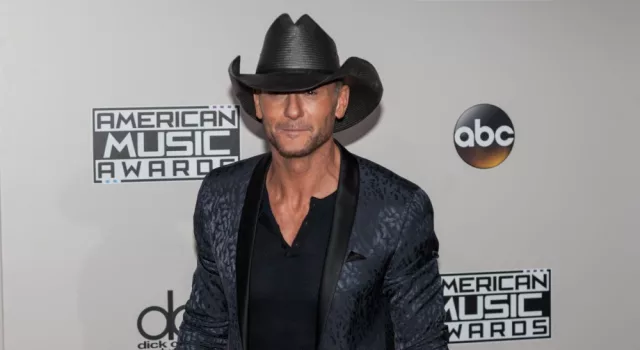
(314, 142)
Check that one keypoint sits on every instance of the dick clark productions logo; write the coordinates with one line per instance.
(484, 136)
(165, 329)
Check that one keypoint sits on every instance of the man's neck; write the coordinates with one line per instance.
(295, 180)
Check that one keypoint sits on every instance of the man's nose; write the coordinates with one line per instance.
(293, 108)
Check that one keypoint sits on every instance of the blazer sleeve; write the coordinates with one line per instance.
(413, 284)
(205, 319)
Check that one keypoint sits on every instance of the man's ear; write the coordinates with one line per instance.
(343, 101)
(256, 103)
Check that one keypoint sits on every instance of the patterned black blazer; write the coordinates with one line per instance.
(381, 287)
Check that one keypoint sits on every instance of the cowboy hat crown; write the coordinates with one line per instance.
(284, 36)
(301, 56)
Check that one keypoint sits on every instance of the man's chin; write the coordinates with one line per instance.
(294, 152)
(289, 148)
(295, 148)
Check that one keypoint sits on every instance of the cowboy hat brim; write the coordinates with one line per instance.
(361, 77)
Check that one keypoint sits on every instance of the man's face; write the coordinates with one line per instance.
(296, 124)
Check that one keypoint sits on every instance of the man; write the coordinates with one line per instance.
(309, 246)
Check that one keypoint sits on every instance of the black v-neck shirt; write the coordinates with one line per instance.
(285, 280)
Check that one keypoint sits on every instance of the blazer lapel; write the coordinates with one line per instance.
(246, 235)
(343, 218)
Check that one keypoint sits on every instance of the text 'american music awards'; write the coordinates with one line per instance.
(498, 306)
(163, 143)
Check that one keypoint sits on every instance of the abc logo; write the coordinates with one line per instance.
(484, 136)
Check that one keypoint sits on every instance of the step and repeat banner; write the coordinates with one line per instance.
(516, 117)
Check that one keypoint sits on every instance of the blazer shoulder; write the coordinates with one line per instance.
(388, 185)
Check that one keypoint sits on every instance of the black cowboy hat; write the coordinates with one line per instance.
(301, 56)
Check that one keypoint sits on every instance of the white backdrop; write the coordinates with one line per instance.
(81, 261)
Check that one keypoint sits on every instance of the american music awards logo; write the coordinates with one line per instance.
(498, 306)
(145, 144)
